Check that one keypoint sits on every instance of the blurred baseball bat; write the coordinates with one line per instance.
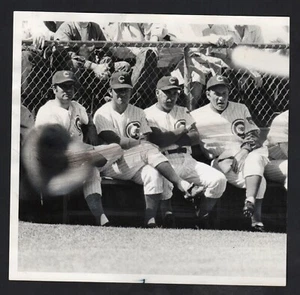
(261, 60)
(56, 164)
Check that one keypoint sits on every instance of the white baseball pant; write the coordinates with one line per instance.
(213, 181)
(138, 164)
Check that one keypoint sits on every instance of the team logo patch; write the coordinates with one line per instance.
(132, 130)
(220, 78)
(121, 79)
(173, 80)
(250, 120)
(78, 124)
(238, 128)
(66, 74)
(180, 123)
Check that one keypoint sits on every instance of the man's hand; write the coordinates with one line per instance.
(239, 160)
(101, 71)
(77, 60)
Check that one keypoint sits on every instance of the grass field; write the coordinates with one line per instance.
(89, 249)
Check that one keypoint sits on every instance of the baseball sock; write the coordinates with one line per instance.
(95, 205)
(152, 202)
(166, 170)
(252, 187)
(166, 207)
(256, 218)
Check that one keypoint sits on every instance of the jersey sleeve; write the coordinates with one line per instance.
(84, 118)
(188, 117)
(279, 129)
(145, 127)
(249, 123)
(46, 116)
(150, 118)
(103, 121)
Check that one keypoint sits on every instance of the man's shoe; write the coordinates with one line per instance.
(151, 225)
(203, 222)
(258, 228)
(193, 191)
(248, 209)
(169, 221)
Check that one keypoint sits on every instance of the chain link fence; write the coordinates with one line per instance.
(192, 63)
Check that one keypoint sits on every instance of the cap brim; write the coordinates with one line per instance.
(169, 87)
(224, 84)
(64, 81)
(120, 86)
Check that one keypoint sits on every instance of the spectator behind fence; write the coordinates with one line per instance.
(200, 65)
(241, 34)
(277, 168)
(38, 31)
(84, 31)
(230, 138)
(143, 60)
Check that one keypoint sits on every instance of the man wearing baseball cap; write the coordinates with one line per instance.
(120, 122)
(173, 130)
(71, 115)
(229, 137)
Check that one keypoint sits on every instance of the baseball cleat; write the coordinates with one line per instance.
(203, 222)
(258, 227)
(193, 191)
(151, 225)
(248, 209)
(169, 221)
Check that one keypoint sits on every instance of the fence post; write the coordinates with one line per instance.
(187, 77)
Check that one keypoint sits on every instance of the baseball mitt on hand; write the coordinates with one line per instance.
(56, 164)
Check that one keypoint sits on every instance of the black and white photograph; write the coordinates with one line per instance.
(149, 148)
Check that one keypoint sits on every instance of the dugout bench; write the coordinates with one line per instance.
(124, 205)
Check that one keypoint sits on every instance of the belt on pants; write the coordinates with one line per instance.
(175, 151)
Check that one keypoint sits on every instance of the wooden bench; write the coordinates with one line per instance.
(123, 200)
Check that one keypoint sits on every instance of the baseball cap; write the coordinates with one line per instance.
(217, 80)
(63, 76)
(168, 82)
(120, 80)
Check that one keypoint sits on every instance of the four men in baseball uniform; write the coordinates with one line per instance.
(155, 146)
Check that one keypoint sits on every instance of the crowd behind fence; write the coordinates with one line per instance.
(193, 62)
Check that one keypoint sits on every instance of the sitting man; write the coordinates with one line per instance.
(118, 121)
(277, 168)
(229, 136)
(173, 130)
(72, 116)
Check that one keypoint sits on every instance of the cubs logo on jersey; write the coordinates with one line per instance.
(132, 130)
(238, 127)
(180, 123)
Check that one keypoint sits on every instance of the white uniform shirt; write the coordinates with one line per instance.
(131, 123)
(278, 133)
(71, 119)
(225, 131)
(177, 117)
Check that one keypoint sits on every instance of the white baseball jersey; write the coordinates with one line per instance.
(178, 116)
(138, 162)
(277, 168)
(213, 181)
(71, 119)
(278, 134)
(223, 131)
(131, 123)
